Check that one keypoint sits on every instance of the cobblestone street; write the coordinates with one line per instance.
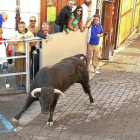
(115, 114)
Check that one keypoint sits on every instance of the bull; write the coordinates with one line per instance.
(52, 81)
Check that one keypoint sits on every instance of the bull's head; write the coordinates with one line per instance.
(46, 97)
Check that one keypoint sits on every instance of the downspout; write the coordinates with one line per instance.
(98, 4)
(101, 10)
(17, 13)
(117, 28)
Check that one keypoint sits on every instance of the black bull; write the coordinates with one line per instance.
(57, 79)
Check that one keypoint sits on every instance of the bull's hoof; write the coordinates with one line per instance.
(92, 103)
(49, 123)
(14, 120)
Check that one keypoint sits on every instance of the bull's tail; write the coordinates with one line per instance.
(82, 55)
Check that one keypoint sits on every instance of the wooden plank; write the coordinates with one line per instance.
(81, 2)
(64, 3)
(129, 16)
(107, 26)
(43, 16)
(59, 6)
(77, 2)
(51, 3)
(114, 21)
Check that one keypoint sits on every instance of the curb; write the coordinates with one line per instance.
(14, 91)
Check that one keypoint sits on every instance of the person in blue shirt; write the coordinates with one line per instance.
(3, 18)
(95, 31)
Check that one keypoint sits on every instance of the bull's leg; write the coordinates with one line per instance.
(87, 90)
(29, 101)
(52, 107)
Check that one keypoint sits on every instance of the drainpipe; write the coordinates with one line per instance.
(98, 7)
(17, 13)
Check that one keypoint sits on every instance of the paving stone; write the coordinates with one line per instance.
(54, 134)
(75, 137)
(86, 137)
(44, 132)
(64, 135)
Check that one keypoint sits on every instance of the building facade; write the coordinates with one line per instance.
(119, 18)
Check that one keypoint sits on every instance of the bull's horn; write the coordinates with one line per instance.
(35, 91)
(59, 92)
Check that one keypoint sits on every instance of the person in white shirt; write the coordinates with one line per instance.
(4, 62)
(85, 7)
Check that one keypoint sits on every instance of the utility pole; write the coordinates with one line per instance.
(17, 13)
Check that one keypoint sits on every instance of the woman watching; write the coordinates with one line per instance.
(75, 20)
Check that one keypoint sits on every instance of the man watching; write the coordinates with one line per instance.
(85, 7)
(95, 31)
(3, 18)
(34, 30)
(32, 27)
(43, 33)
(62, 18)
(20, 63)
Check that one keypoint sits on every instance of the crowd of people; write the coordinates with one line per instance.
(70, 18)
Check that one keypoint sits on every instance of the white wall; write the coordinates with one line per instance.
(93, 9)
(8, 6)
(27, 8)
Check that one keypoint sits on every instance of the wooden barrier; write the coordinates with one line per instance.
(63, 45)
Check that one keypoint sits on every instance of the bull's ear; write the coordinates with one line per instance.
(35, 92)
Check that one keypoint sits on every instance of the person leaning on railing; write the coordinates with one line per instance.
(63, 17)
(75, 20)
(34, 29)
(44, 32)
(20, 64)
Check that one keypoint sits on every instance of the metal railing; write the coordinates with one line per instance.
(27, 72)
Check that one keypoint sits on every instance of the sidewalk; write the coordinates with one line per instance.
(114, 115)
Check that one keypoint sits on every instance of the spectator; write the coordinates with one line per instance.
(85, 7)
(34, 30)
(32, 27)
(3, 18)
(4, 63)
(43, 33)
(63, 17)
(20, 63)
(75, 20)
(95, 31)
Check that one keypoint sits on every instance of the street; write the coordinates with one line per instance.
(115, 114)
